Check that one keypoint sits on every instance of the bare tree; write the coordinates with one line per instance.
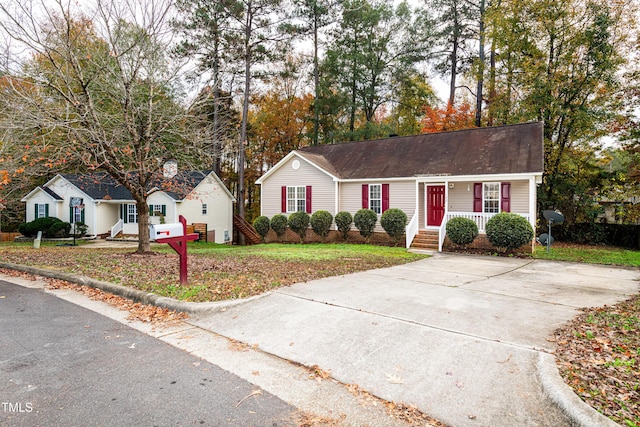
(95, 87)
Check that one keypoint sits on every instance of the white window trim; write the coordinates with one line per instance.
(77, 215)
(132, 212)
(379, 199)
(155, 208)
(296, 200)
(42, 210)
(484, 196)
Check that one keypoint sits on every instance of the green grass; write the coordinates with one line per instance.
(297, 252)
(590, 255)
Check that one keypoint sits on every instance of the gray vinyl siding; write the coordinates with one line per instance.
(461, 197)
(520, 196)
(322, 191)
(401, 196)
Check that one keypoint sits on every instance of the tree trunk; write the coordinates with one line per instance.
(492, 85)
(144, 245)
(454, 71)
(481, 59)
(316, 76)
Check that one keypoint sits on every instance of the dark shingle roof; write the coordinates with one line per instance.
(101, 186)
(51, 193)
(478, 151)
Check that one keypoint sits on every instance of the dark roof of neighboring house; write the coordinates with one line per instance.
(101, 186)
(478, 151)
(51, 193)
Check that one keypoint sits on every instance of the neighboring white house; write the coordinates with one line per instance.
(107, 208)
(474, 173)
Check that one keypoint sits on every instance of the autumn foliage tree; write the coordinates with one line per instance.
(448, 118)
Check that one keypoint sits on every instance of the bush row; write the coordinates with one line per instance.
(393, 221)
(51, 227)
(621, 235)
(505, 231)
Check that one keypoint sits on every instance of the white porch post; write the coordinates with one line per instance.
(336, 201)
(532, 203)
(417, 212)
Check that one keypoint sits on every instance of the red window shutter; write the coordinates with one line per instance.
(283, 204)
(505, 197)
(385, 197)
(308, 195)
(365, 196)
(477, 197)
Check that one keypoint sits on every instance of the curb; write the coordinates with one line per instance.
(562, 396)
(195, 308)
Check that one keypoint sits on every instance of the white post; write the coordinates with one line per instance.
(36, 242)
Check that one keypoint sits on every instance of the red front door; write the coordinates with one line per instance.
(435, 204)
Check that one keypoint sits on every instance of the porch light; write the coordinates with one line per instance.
(451, 185)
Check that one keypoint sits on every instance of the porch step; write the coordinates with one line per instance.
(426, 239)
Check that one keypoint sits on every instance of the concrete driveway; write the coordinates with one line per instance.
(464, 338)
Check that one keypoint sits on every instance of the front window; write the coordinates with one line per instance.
(296, 199)
(156, 210)
(491, 197)
(77, 215)
(41, 211)
(375, 198)
(132, 213)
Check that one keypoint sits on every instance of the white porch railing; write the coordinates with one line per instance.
(479, 218)
(442, 230)
(411, 230)
(117, 228)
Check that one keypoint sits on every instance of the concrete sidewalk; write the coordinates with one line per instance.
(464, 338)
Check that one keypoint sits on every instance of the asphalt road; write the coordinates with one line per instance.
(63, 365)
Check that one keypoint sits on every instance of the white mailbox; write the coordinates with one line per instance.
(161, 231)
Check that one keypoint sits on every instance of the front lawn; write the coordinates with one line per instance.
(589, 254)
(216, 272)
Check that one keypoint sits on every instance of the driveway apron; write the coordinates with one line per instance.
(458, 336)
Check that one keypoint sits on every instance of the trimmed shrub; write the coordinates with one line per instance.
(365, 221)
(343, 222)
(509, 231)
(321, 223)
(50, 226)
(80, 229)
(394, 222)
(462, 231)
(298, 223)
(279, 225)
(261, 224)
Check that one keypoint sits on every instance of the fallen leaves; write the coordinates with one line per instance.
(212, 277)
(410, 415)
(137, 311)
(598, 355)
(318, 374)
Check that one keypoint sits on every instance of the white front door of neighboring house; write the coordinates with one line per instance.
(435, 201)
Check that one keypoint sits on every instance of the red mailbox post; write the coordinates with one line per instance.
(179, 244)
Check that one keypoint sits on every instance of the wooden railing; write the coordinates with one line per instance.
(247, 229)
